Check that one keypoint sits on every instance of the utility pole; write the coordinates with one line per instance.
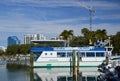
(91, 11)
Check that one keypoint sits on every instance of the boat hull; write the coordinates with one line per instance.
(65, 64)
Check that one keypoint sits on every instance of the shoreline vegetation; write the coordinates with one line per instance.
(16, 63)
(23, 60)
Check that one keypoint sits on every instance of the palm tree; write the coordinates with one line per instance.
(116, 43)
(89, 35)
(101, 34)
(86, 33)
(67, 35)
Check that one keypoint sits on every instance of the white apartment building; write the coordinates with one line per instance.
(29, 37)
(2, 48)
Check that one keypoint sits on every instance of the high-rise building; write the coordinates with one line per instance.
(29, 37)
(13, 40)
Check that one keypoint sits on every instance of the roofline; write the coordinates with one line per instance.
(34, 41)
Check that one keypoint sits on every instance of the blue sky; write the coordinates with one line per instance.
(51, 17)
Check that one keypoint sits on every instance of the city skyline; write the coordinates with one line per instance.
(51, 17)
(13, 40)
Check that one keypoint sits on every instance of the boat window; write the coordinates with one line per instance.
(61, 54)
(91, 78)
(90, 54)
(69, 54)
(45, 53)
(82, 54)
(50, 53)
(69, 78)
(84, 78)
(99, 54)
(61, 78)
(105, 49)
(37, 56)
(109, 49)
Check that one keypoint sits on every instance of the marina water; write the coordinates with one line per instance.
(44, 74)
(13, 75)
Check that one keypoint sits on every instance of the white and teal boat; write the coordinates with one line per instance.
(58, 57)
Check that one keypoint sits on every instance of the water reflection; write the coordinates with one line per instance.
(62, 74)
(21, 73)
(13, 74)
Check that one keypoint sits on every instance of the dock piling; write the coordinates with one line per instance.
(31, 59)
(107, 59)
(78, 61)
(74, 65)
(74, 62)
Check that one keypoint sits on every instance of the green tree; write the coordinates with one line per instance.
(2, 52)
(18, 49)
(101, 34)
(89, 35)
(66, 34)
(116, 43)
(25, 49)
(79, 41)
(86, 33)
(12, 50)
(92, 36)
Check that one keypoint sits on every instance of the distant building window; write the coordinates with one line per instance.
(90, 54)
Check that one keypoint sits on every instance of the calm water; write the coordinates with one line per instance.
(44, 74)
(63, 74)
(17, 75)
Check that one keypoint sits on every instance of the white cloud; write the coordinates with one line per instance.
(97, 4)
(49, 26)
(108, 17)
(112, 29)
(106, 5)
(16, 20)
(41, 3)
